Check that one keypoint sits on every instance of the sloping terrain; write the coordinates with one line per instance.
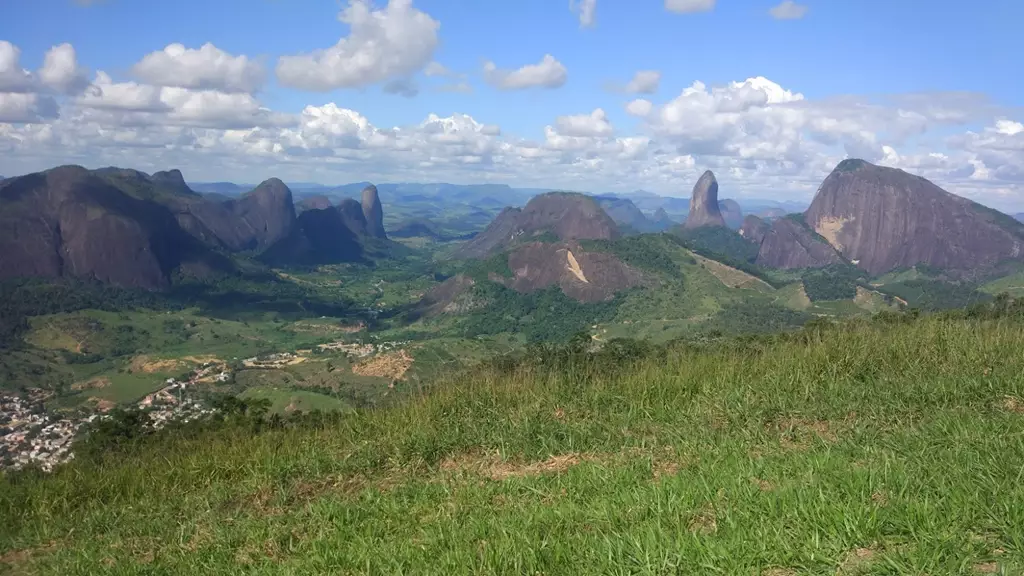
(844, 450)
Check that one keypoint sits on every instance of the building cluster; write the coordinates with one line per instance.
(30, 435)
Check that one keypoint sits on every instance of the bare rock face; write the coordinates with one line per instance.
(568, 216)
(883, 218)
(704, 210)
(754, 229)
(70, 222)
(502, 231)
(373, 212)
(318, 202)
(731, 213)
(323, 236)
(269, 212)
(255, 221)
(790, 244)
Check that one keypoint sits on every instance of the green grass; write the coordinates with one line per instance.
(868, 448)
(286, 401)
(1012, 285)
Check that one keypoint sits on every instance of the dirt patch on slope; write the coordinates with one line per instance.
(207, 359)
(149, 365)
(92, 384)
(392, 365)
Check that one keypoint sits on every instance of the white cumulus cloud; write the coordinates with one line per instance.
(382, 45)
(203, 68)
(20, 107)
(61, 72)
(548, 73)
(644, 82)
(13, 78)
(585, 9)
(639, 107)
(788, 10)
(585, 125)
(689, 6)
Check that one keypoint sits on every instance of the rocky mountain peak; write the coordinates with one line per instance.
(754, 229)
(704, 210)
(883, 218)
(269, 210)
(373, 212)
(172, 180)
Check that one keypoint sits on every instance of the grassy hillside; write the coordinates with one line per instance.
(891, 446)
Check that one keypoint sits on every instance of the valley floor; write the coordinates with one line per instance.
(872, 448)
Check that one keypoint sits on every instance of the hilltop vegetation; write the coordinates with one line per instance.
(868, 447)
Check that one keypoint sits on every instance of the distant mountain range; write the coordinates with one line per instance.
(133, 229)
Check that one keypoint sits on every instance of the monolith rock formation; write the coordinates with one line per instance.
(883, 218)
(373, 212)
(704, 210)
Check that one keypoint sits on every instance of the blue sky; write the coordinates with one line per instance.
(958, 61)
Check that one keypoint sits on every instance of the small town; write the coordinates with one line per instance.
(29, 435)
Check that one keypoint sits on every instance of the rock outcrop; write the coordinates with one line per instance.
(790, 244)
(582, 275)
(172, 180)
(704, 209)
(568, 216)
(318, 202)
(373, 212)
(253, 221)
(754, 229)
(330, 235)
(883, 218)
(624, 213)
(68, 221)
(268, 211)
(731, 213)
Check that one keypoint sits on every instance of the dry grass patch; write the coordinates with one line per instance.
(392, 365)
(762, 485)
(857, 561)
(1012, 404)
(779, 572)
(97, 383)
(492, 466)
(147, 365)
(987, 568)
(102, 404)
(732, 277)
(800, 434)
(16, 560)
(704, 521)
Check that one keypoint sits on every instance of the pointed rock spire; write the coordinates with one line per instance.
(704, 209)
(373, 212)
